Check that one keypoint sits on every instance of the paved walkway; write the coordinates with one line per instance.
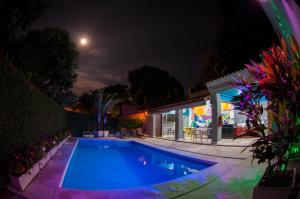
(227, 142)
(237, 176)
(226, 151)
(232, 176)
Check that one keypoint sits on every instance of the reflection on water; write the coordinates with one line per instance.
(175, 166)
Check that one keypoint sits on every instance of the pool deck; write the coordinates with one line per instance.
(232, 177)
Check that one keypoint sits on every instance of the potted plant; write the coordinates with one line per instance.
(277, 79)
(88, 134)
(106, 133)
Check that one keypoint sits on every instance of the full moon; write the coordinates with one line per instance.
(83, 41)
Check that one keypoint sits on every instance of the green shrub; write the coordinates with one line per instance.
(131, 123)
(113, 124)
(27, 115)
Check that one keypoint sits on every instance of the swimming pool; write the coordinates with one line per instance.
(112, 164)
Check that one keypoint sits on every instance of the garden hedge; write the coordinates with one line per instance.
(27, 115)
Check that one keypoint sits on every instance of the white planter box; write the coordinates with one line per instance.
(106, 133)
(60, 144)
(53, 151)
(66, 139)
(100, 133)
(88, 136)
(44, 160)
(23, 181)
(274, 192)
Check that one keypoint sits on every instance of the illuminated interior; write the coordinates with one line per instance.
(168, 124)
(199, 118)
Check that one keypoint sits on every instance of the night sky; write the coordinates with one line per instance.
(123, 35)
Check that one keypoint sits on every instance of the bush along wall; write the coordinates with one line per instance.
(30, 122)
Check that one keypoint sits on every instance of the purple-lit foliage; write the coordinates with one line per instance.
(277, 78)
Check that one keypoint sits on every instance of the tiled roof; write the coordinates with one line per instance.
(180, 103)
(226, 78)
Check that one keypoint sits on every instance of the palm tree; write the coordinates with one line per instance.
(104, 100)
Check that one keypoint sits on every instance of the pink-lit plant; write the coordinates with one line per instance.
(20, 162)
(277, 78)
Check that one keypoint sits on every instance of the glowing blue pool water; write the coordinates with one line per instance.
(106, 164)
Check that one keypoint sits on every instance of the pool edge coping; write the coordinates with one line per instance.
(67, 165)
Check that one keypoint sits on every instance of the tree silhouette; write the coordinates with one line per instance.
(15, 17)
(48, 58)
(104, 99)
(151, 86)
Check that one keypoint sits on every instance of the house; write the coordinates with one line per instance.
(207, 116)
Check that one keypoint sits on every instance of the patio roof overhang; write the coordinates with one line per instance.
(223, 83)
(192, 102)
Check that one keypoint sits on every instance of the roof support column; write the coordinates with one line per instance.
(216, 113)
(154, 125)
(178, 124)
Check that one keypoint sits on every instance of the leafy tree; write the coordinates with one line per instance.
(67, 98)
(151, 86)
(86, 102)
(123, 95)
(49, 58)
(15, 17)
(121, 90)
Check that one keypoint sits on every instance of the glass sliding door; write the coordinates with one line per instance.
(168, 125)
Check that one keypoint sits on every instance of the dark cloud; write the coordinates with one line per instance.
(124, 35)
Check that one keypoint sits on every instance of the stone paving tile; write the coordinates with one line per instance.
(238, 183)
(208, 150)
(39, 191)
(142, 193)
(189, 183)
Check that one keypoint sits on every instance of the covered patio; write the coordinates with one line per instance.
(209, 118)
(228, 122)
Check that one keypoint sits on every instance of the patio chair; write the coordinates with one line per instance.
(124, 132)
(169, 132)
(203, 134)
(193, 134)
(209, 132)
(139, 132)
(239, 130)
(132, 132)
